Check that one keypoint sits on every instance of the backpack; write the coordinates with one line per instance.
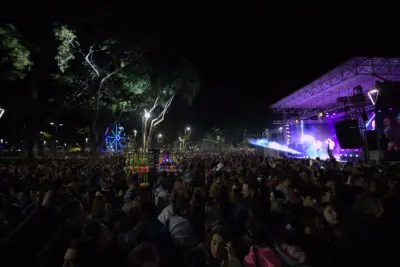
(262, 257)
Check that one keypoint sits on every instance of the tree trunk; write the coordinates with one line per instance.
(33, 120)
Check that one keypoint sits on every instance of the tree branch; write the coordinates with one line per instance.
(89, 61)
(167, 105)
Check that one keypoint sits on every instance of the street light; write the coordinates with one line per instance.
(146, 117)
(188, 128)
(56, 125)
(159, 136)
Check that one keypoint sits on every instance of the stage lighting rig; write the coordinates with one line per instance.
(357, 99)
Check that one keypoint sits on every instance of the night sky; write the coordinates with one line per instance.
(251, 53)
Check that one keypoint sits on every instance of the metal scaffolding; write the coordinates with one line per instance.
(322, 94)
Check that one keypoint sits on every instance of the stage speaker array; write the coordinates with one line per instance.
(348, 134)
(389, 95)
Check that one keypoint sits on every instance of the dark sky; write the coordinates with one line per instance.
(254, 56)
(251, 53)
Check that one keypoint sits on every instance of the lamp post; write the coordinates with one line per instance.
(56, 127)
(145, 118)
(159, 136)
(188, 130)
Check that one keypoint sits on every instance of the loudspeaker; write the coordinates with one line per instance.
(348, 134)
(372, 140)
(387, 96)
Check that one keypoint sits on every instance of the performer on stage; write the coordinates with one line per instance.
(318, 146)
(331, 146)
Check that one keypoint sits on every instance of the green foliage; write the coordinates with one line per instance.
(136, 84)
(67, 47)
(15, 56)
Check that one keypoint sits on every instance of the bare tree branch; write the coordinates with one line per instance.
(89, 61)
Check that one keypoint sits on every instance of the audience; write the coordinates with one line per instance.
(226, 209)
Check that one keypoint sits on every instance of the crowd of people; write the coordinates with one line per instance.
(230, 209)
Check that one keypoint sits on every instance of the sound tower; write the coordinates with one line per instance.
(387, 110)
(348, 134)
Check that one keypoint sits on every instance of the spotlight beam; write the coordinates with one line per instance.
(272, 145)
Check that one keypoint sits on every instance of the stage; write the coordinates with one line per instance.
(348, 92)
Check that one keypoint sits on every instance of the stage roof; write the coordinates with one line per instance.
(322, 93)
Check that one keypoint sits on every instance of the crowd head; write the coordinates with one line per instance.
(222, 209)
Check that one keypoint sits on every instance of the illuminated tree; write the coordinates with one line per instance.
(180, 80)
(96, 71)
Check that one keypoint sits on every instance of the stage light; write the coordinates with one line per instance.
(370, 121)
(370, 93)
(320, 114)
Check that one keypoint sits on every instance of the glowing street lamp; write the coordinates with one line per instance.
(159, 136)
(145, 119)
(187, 130)
(56, 126)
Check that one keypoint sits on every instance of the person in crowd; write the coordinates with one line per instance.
(224, 209)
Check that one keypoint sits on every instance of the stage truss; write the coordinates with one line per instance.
(321, 95)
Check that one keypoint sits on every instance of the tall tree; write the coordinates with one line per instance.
(179, 79)
(95, 71)
(25, 59)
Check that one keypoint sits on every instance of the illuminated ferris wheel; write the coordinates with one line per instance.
(115, 138)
